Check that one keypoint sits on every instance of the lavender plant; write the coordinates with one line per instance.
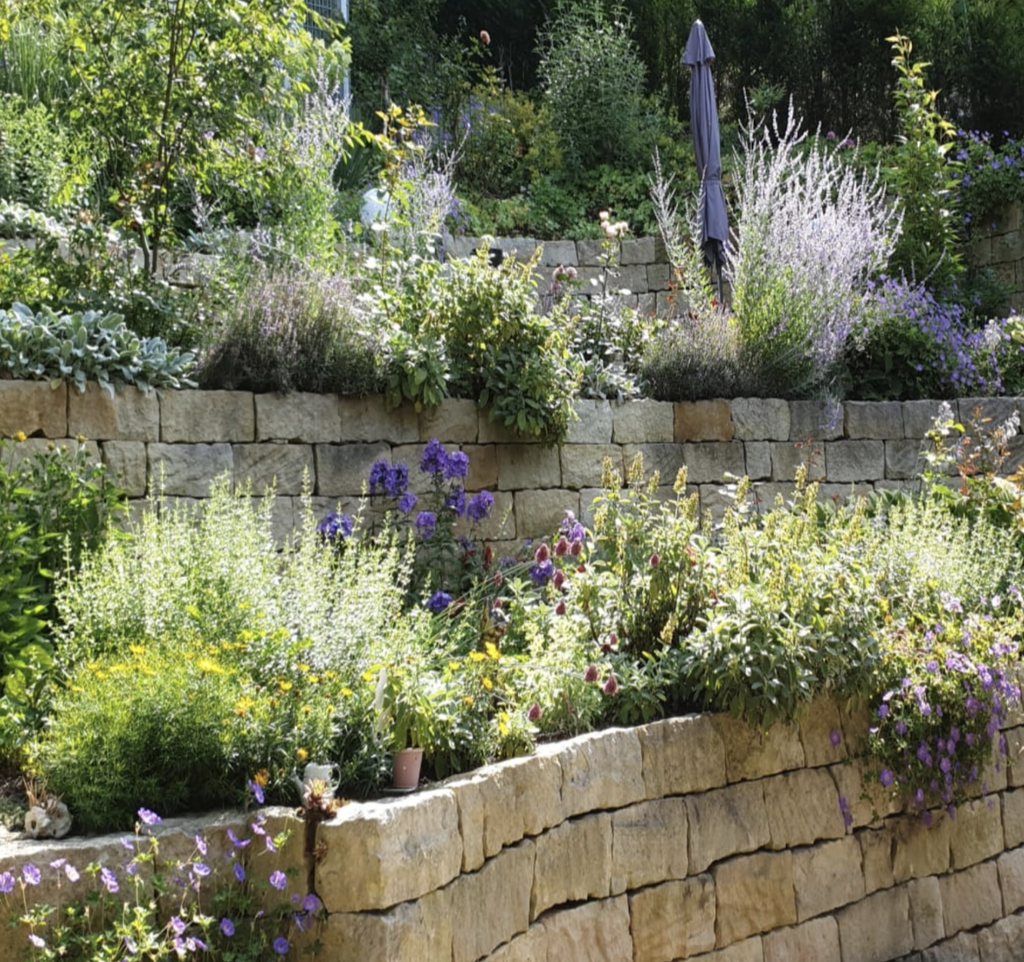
(811, 232)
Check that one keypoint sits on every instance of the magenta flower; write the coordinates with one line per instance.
(611, 686)
(560, 607)
(542, 554)
(534, 712)
(590, 674)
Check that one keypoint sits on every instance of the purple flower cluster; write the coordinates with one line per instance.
(389, 479)
(335, 526)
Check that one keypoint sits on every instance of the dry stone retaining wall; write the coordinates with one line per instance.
(182, 440)
(693, 837)
(1000, 246)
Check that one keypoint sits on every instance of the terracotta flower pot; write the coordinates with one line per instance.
(407, 768)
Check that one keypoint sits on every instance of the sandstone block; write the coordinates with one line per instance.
(1013, 819)
(760, 419)
(285, 517)
(590, 252)
(343, 469)
(207, 416)
(996, 409)
(876, 857)
(649, 844)
(925, 911)
(1001, 941)
(960, 948)
(814, 941)
(493, 431)
(666, 459)
(540, 513)
(647, 304)
(703, 421)
(383, 853)
(370, 419)
(483, 467)
(583, 464)
(770, 495)
(919, 417)
(500, 525)
(454, 421)
(852, 782)
(522, 248)
(573, 864)
(758, 460)
(976, 833)
(528, 947)
(817, 722)
(128, 416)
(920, 850)
(285, 467)
(815, 420)
(753, 893)
(749, 950)
(658, 277)
(600, 770)
(681, 755)
(827, 876)
(787, 456)
(710, 462)
(594, 424)
(847, 461)
(877, 928)
(643, 422)
(726, 821)
(33, 407)
(673, 921)
(503, 887)
(638, 251)
(903, 459)
(188, 469)
(970, 898)
(670, 304)
(874, 419)
(597, 932)
(753, 754)
(127, 465)
(528, 466)
(632, 278)
(802, 808)
(558, 252)
(298, 417)
(1011, 879)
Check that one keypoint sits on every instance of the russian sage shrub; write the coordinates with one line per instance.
(811, 232)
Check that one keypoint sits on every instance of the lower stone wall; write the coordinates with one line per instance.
(693, 837)
(1000, 247)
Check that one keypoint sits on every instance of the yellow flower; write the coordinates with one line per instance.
(492, 651)
(313, 679)
(467, 701)
(243, 705)
(302, 754)
(454, 666)
(261, 777)
(487, 683)
(303, 666)
(476, 656)
(210, 666)
(19, 436)
(283, 684)
(346, 692)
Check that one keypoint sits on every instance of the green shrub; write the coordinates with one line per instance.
(35, 156)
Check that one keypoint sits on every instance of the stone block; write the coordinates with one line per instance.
(637, 251)
(666, 459)
(528, 466)
(925, 911)
(919, 417)
(976, 833)
(1013, 819)
(522, 248)
(715, 501)
(632, 278)
(285, 467)
(647, 304)
(383, 853)
(573, 863)
(819, 724)
(643, 422)
(593, 424)
(814, 941)
(187, 470)
(726, 821)
(760, 419)
(749, 950)
(970, 898)
(1011, 879)
(815, 421)
(920, 849)
(876, 857)
(992, 410)
(960, 948)
(903, 459)
(880, 420)
(555, 252)
(285, 517)
(483, 467)
(597, 932)
(865, 800)
(493, 431)
(128, 416)
(499, 526)
(758, 460)
(770, 495)
(703, 421)
(207, 416)
(590, 252)
(127, 465)
(528, 947)
(711, 462)
(343, 469)
(827, 876)
(847, 461)
(787, 456)
(540, 513)
(681, 755)
(802, 808)
(659, 277)
(649, 844)
(750, 753)
(753, 893)
(454, 421)
(600, 770)
(1001, 941)
(670, 304)
(33, 407)
(877, 928)
(313, 418)
(583, 464)
(842, 493)
(492, 905)
(673, 921)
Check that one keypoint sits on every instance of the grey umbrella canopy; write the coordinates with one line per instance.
(714, 223)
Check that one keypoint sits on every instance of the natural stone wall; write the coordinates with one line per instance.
(182, 440)
(694, 837)
(999, 244)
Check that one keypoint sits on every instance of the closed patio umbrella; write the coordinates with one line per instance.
(714, 222)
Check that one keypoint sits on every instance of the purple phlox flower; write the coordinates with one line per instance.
(439, 601)
(571, 528)
(426, 524)
(301, 921)
(149, 818)
(957, 662)
(951, 602)
(132, 868)
(926, 817)
(407, 502)
(540, 573)
(227, 927)
(281, 945)
(201, 847)
(30, 874)
(335, 525)
(256, 789)
(130, 946)
(456, 465)
(479, 506)
(924, 755)
(944, 763)
(434, 458)
(835, 738)
(932, 666)
(456, 500)
(257, 828)
(128, 843)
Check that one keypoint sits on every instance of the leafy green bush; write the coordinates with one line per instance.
(35, 156)
(290, 329)
(86, 347)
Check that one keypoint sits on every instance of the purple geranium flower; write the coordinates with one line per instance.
(479, 506)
